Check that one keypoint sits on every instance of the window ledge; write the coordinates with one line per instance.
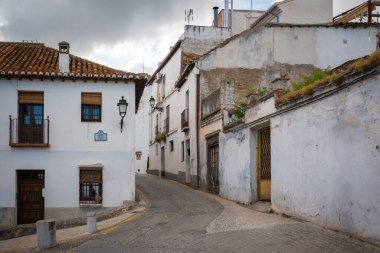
(90, 205)
(29, 145)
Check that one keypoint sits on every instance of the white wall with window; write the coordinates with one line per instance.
(72, 146)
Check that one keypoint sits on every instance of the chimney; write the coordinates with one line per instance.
(216, 16)
(64, 57)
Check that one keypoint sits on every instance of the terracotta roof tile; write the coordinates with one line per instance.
(35, 60)
(36, 57)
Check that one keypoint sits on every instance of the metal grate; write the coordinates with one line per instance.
(265, 153)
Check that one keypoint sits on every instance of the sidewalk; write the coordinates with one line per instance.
(64, 235)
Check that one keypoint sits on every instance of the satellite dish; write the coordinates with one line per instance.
(189, 15)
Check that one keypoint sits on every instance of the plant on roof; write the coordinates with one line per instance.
(317, 75)
(335, 77)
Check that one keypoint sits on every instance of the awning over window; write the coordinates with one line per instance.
(91, 98)
(30, 97)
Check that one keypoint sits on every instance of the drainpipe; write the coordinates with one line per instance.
(197, 88)
(369, 12)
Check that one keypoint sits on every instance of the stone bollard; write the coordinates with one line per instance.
(91, 222)
(46, 235)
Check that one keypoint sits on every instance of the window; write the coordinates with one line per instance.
(156, 150)
(31, 114)
(171, 143)
(90, 186)
(138, 155)
(163, 86)
(91, 107)
(182, 151)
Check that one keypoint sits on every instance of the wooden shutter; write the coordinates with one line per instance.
(91, 98)
(30, 97)
(90, 176)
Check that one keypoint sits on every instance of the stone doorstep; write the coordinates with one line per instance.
(261, 206)
(9, 232)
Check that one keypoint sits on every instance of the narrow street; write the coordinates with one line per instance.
(180, 219)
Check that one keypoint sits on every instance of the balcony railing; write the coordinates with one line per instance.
(34, 133)
(166, 125)
(185, 120)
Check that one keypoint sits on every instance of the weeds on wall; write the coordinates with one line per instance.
(336, 77)
(261, 91)
(317, 75)
(240, 110)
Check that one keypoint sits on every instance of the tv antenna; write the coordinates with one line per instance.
(189, 15)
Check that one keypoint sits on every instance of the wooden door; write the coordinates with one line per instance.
(30, 202)
(213, 168)
(264, 164)
(31, 123)
(162, 161)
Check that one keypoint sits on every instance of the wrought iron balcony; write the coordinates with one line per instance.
(185, 120)
(29, 132)
(166, 125)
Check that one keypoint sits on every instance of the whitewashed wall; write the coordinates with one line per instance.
(71, 143)
(326, 160)
(318, 46)
(306, 12)
(142, 132)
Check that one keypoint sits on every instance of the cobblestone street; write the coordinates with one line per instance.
(180, 219)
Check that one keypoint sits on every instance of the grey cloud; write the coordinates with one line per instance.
(86, 23)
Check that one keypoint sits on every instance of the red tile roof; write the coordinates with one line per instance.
(36, 57)
(35, 60)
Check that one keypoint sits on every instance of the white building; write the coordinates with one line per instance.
(315, 157)
(142, 134)
(173, 141)
(62, 151)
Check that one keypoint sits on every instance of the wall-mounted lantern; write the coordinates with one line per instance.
(152, 102)
(122, 110)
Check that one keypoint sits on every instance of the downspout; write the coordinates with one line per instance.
(197, 88)
(369, 14)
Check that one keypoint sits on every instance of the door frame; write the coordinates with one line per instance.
(212, 142)
(18, 186)
(187, 162)
(162, 171)
(258, 164)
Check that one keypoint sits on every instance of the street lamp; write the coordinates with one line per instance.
(122, 110)
(152, 102)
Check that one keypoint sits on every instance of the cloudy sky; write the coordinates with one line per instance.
(119, 33)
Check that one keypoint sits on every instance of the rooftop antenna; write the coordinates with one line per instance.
(251, 5)
(189, 15)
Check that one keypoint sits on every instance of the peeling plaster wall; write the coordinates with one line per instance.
(235, 184)
(306, 12)
(200, 39)
(317, 46)
(326, 158)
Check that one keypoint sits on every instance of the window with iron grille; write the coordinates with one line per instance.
(90, 186)
(91, 107)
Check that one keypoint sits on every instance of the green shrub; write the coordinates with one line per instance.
(240, 110)
(317, 75)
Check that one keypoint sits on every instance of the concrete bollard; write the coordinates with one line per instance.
(91, 222)
(46, 235)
